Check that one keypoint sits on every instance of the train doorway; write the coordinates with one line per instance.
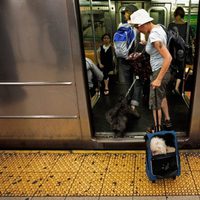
(104, 17)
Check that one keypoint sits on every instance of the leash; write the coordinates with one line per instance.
(133, 83)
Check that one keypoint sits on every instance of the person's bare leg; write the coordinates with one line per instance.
(178, 82)
(164, 106)
(106, 84)
(157, 124)
(106, 89)
(165, 109)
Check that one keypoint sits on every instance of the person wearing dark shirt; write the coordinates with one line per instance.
(126, 74)
(105, 59)
(180, 27)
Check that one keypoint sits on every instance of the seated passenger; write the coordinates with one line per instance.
(94, 75)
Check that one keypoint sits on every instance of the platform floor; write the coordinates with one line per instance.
(92, 175)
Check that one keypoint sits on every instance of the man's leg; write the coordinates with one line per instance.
(124, 71)
(137, 93)
(136, 97)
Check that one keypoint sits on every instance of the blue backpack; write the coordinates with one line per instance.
(123, 40)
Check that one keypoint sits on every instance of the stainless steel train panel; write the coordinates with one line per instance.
(38, 101)
(38, 130)
(35, 41)
(41, 72)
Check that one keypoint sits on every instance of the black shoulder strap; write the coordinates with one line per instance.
(164, 27)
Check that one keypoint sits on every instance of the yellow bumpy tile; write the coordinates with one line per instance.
(118, 184)
(182, 185)
(68, 163)
(144, 187)
(56, 184)
(6, 179)
(42, 163)
(184, 162)
(196, 177)
(194, 161)
(140, 162)
(26, 184)
(108, 173)
(16, 162)
(87, 184)
(95, 163)
(121, 163)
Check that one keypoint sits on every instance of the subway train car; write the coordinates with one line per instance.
(44, 95)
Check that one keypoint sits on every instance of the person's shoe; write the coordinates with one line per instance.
(106, 92)
(133, 111)
(154, 129)
(150, 129)
(168, 125)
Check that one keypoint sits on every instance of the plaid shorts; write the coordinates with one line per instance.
(160, 91)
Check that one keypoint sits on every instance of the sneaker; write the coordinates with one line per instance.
(134, 112)
(168, 125)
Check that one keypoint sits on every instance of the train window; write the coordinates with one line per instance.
(87, 27)
(159, 14)
(96, 21)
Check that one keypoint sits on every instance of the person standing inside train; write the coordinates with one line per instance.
(180, 27)
(105, 57)
(160, 60)
(126, 74)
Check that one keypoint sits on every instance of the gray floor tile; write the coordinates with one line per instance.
(183, 198)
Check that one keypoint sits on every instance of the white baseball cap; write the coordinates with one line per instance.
(140, 17)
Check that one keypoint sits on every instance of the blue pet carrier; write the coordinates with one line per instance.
(163, 165)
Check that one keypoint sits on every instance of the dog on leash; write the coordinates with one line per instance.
(117, 117)
(158, 146)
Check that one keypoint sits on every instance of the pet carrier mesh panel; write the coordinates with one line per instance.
(165, 165)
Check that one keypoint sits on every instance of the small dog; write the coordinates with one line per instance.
(117, 117)
(158, 146)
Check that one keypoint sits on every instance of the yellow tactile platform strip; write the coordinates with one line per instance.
(89, 173)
